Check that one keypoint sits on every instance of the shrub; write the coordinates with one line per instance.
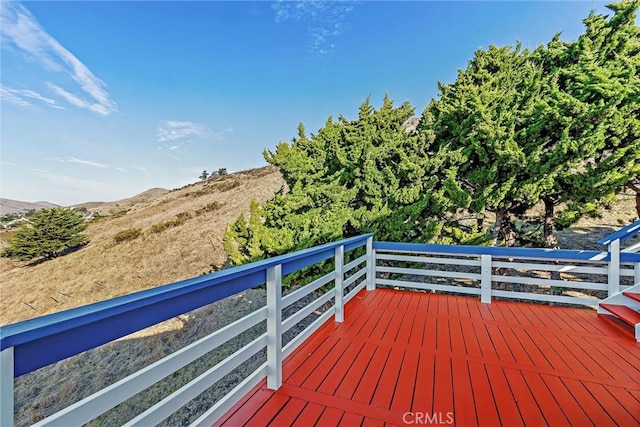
(181, 218)
(228, 185)
(209, 207)
(127, 235)
(119, 214)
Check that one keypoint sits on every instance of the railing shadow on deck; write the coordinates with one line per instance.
(36, 343)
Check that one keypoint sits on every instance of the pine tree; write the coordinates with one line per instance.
(479, 123)
(588, 122)
(47, 234)
(354, 176)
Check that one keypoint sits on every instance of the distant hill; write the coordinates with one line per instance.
(8, 206)
(181, 234)
(110, 208)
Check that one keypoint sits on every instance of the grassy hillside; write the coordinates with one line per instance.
(190, 223)
(180, 237)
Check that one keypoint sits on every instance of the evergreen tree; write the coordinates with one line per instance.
(588, 122)
(204, 175)
(354, 176)
(48, 233)
(480, 123)
(559, 125)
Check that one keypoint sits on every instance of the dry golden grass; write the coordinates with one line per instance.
(105, 269)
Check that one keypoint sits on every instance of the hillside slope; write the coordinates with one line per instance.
(9, 206)
(110, 208)
(106, 269)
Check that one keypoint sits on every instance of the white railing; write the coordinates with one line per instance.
(474, 270)
(347, 281)
(495, 271)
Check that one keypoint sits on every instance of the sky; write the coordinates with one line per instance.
(103, 100)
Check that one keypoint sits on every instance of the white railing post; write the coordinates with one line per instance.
(485, 279)
(6, 387)
(274, 327)
(636, 274)
(339, 251)
(371, 265)
(614, 268)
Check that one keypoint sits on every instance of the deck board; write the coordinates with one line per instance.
(427, 354)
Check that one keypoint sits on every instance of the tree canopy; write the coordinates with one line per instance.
(47, 234)
(558, 125)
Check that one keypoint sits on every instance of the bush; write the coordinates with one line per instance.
(210, 207)
(181, 218)
(127, 235)
(228, 185)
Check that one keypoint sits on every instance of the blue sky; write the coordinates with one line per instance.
(103, 100)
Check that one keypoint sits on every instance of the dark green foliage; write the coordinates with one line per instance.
(481, 125)
(119, 214)
(127, 235)
(589, 120)
(559, 125)
(47, 234)
(352, 177)
(204, 175)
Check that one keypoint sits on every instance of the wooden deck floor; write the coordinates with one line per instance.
(407, 358)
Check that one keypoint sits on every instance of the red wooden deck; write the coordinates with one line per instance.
(408, 358)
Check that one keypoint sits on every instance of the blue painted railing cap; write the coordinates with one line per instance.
(40, 327)
(623, 234)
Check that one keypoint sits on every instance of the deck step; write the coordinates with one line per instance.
(624, 313)
(632, 295)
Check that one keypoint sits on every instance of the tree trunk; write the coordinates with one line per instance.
(497, 229)
(504, 230)
(550, 240)
(637, 190)
(508, 232)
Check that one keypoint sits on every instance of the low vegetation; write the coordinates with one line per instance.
(127, 235)
(180, 219)
(227, 185)
(209, 207)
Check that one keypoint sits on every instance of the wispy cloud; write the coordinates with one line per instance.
(172, 130)
(70, 181)
(10, 96)
(325, 20)
(21, 32)
(80, 162)
(17, 97)
(78, 102)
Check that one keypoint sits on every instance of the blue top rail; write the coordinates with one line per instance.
(552, 254)
(623, 234)
(44, 340)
